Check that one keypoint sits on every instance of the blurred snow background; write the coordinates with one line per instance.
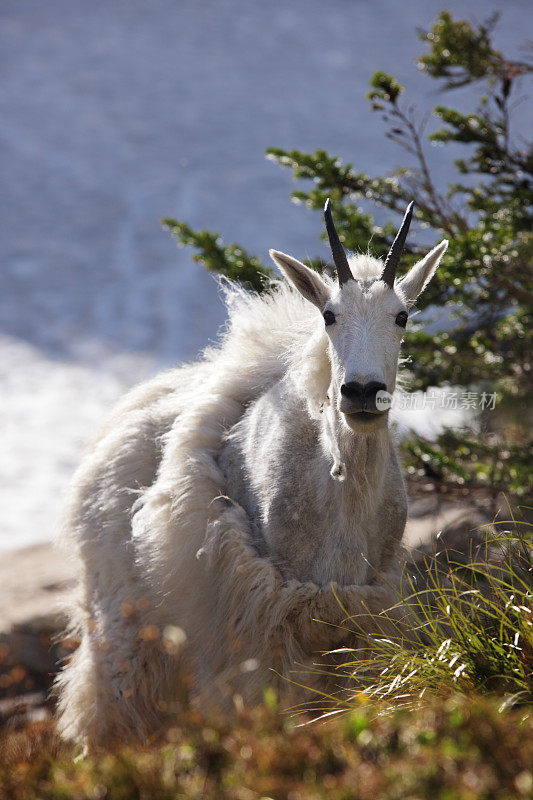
(114, 113)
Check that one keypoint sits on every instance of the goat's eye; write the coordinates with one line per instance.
(329, 317)
(401, 319)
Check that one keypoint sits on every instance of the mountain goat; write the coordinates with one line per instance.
(231, 503)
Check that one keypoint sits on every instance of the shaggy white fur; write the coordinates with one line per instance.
(169, 573)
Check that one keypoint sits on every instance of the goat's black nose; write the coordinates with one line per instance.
(363, 395)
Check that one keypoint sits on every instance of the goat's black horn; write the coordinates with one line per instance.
(337, 250)
(393, 259)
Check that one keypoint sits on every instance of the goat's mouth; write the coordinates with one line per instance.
(365, 421)
(365, 416)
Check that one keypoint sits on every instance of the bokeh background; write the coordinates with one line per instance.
(115, 113)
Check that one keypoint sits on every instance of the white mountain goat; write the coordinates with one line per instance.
(229, 504)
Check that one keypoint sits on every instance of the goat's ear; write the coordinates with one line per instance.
(307, 281)
(418, 277)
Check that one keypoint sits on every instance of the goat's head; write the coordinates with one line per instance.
(365, 317)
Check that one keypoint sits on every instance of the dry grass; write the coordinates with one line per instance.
(457, 748)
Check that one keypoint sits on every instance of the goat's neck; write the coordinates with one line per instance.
(356, 457)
